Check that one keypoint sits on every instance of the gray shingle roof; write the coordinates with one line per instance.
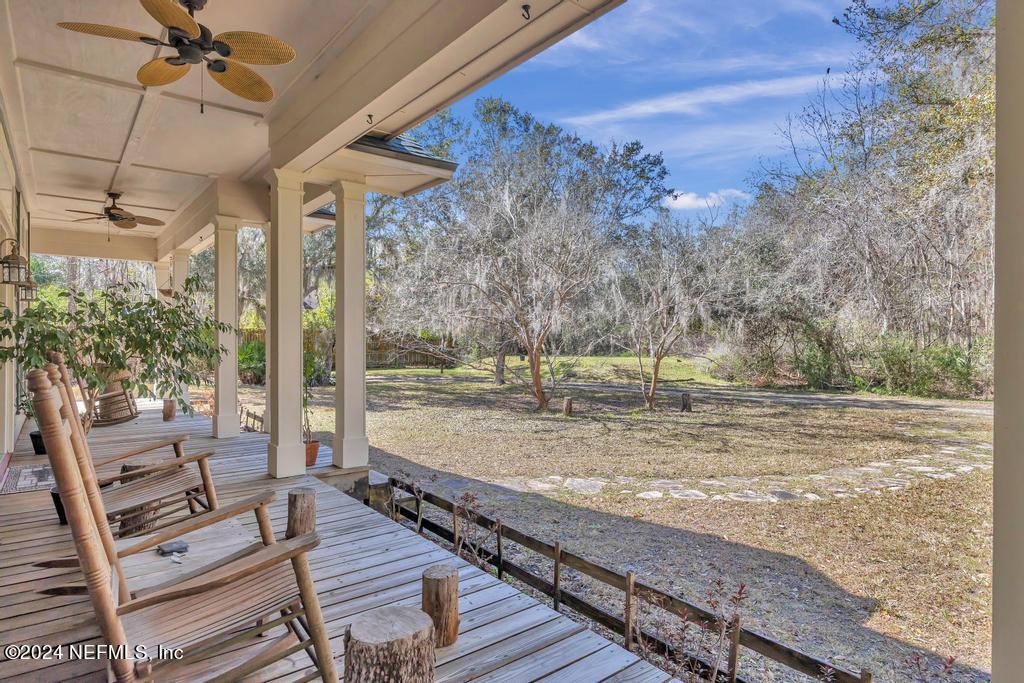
(403, 145)
(400, 146)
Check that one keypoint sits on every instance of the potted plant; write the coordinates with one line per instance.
(36, 437)
(312, 445)
(124, 333)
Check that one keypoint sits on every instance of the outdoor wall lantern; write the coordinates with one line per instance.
(13, 266)
(28, 290)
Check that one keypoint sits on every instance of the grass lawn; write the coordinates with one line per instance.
(615, 369)
(864, 576)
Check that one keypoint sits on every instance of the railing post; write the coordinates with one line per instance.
(419, 514)
(734, 649)
(455, 528)
(557, 597)
(628, 612)
(501, 560)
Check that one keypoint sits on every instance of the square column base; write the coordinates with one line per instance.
(353, 451)
(226, 426)
(286, 460)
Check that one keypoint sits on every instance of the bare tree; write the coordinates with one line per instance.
(660, 287)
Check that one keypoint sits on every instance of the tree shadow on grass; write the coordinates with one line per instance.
(792, 602)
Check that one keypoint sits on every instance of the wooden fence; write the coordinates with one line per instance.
(634, 590)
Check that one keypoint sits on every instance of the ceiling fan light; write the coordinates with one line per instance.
(190, 53)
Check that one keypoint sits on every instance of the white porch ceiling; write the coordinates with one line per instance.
(81, 125)
(84, 125)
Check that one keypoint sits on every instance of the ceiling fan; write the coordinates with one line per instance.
(116, 215)
(223, 53)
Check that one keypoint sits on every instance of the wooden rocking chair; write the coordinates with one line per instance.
(213, 616)
(144, 496)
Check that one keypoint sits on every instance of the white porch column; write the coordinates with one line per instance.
(286, 455)
(351, 447)
(225, 421)
(162, 276)
(266, 335)
(179, 268)
(1008, 513)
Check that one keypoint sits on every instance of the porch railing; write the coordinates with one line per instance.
(635, 636)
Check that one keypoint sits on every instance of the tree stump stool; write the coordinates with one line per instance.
(138, 519)
(390, 645)
(441, 602)
(685, 403)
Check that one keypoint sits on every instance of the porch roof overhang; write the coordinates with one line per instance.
(366, 71)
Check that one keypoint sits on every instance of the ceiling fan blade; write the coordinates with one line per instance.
(125, 224)
(159, 72)
(119, 214)
(256, 48)
(91, 213)
(146, 220)
(86, 220)
(109, 32)
(242, 81)
(170, 15)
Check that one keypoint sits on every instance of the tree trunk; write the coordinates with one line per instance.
(441, 602)
(533, 355)
(499, 365)
(650, 393)
(390, 645)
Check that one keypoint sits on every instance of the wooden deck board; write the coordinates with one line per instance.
(364, 561)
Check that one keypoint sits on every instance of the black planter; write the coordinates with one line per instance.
(59, 505)
(37, 443)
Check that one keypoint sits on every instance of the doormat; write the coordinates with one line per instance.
(21, 479)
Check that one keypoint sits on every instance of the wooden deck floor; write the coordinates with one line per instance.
(365, 561)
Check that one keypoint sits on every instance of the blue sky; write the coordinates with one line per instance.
(706, 82)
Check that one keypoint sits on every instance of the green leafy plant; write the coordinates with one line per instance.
(252, 362)
(309, 365)
(159, 346)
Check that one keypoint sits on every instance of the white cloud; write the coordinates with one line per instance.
(693, 101)
(692, 200)
(629, 33)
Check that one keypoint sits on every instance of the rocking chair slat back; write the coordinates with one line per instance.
(57, 373)
(170, 493)
(46, 403)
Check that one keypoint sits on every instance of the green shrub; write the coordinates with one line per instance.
(252, 362)
(894, 365)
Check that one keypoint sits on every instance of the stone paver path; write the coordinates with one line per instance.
(953, 457)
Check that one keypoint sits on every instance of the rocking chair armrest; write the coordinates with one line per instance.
(227, 574)
(158, 467)
(196, 522)
(145, 448)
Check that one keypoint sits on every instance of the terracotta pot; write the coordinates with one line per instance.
(170, 409)
(312, 450)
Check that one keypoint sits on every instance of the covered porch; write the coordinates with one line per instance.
(364, 561)
(77, 126)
